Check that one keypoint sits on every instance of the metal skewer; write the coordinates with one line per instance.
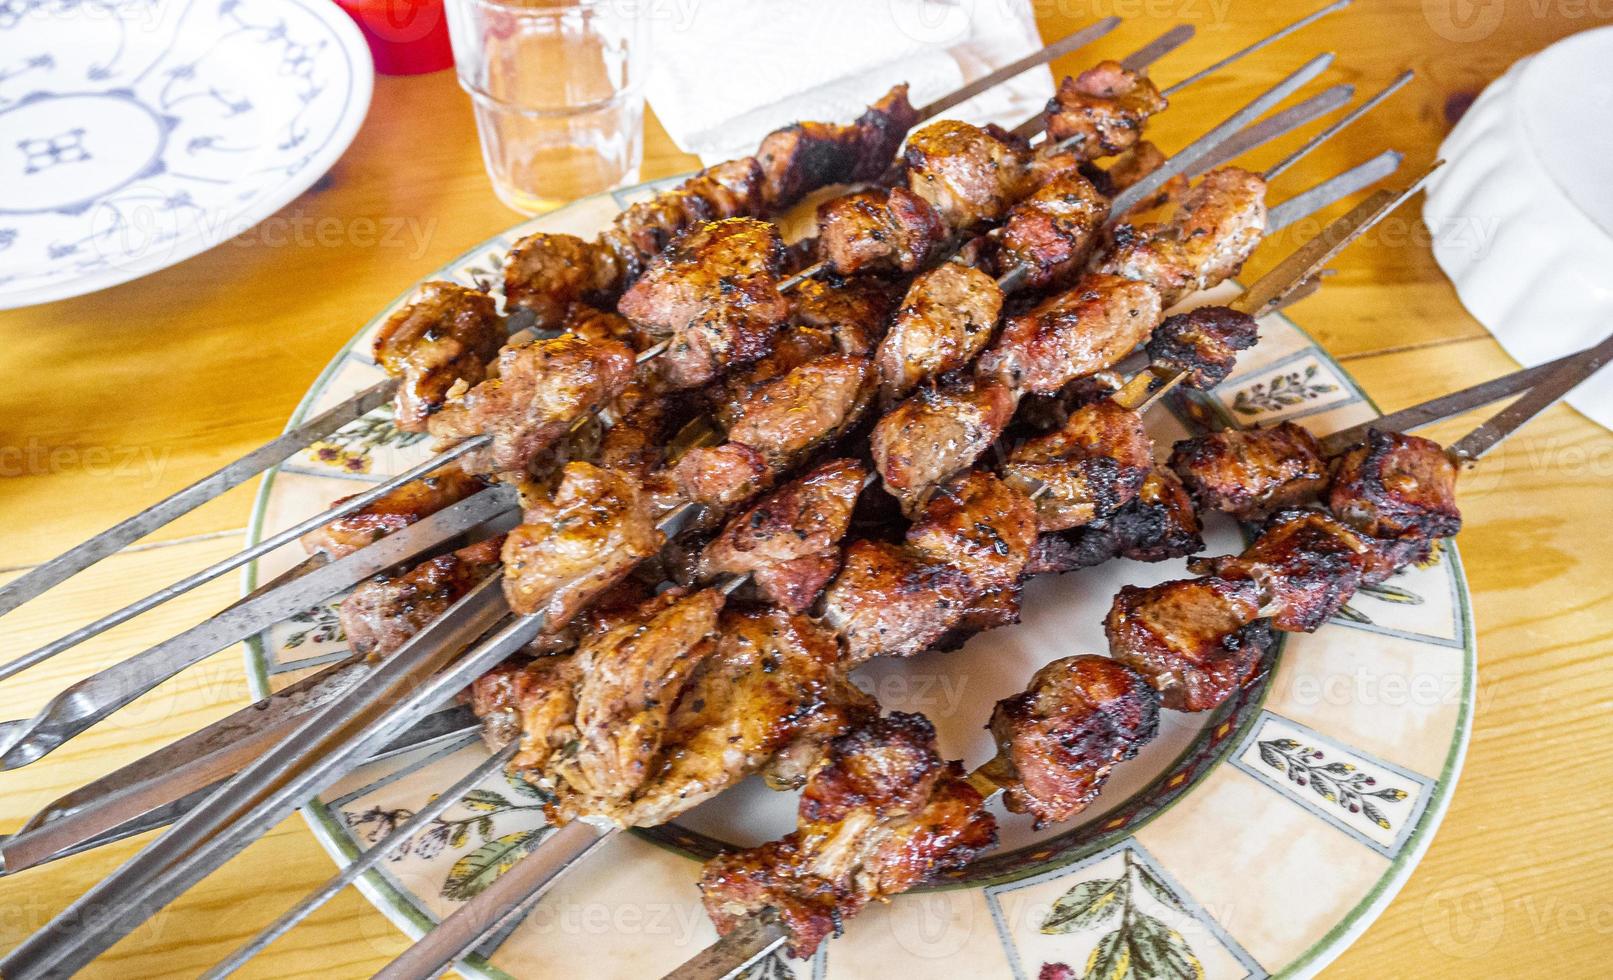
(1559, 382)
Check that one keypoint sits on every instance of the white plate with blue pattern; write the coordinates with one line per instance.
(135, 134)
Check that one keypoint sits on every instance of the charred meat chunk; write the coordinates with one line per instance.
(1086, 470)
(1215, 226)
(1202, 344)
(1089, 328)
(1304, 564)
(1396, 486)
(577, 542)
(789, 543)
(980, 525)
(1102, 110)
(713, 297)
(1251, 472)
(945, 319)
(384, 612)
(883, 814)
(393, 511)
(805, 156)
(541, 391)
(1187, 638)
(1058, 739)
(446, 335)
(878, 230)
(546, 273)
(936, 433)
(969, 175)
(1049, 235)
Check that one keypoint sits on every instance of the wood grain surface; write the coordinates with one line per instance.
(112, 400)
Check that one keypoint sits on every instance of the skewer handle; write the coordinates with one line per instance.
(750, 941)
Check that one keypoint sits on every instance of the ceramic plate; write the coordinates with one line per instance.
(135, 134)
(1257, 839)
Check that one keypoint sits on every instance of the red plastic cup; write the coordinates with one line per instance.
(406, 37)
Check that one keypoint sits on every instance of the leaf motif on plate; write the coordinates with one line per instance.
(472, 873)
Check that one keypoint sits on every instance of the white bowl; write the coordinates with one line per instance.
(1522, 214)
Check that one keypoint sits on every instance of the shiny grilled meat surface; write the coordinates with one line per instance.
(394, 511)
(577, 542)
(946, 318)
(979, 524)
(1049, 235)
(547, 273)
(936, 433)
(714, 297)
(883, 814)
(891, 601)
(733, 189)
(853, 311)
(806, 156)
(1203, 344)
(1160, 524)
(1194, 640)
(1251, 472)
(1304, 565)
(789, 543)
(1103, 109)
(721, 477)
(879, 230)
(447, 334)
(1087, 469)
(1086, 329)
(383, 612)
(1216, 225)
(957, 573)
(812, 404)
(1058, 740)
(632, 676)
(542, 388)
(774, 685)
(970, 176)
(1396, 487)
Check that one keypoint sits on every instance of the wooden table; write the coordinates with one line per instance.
(113, 400)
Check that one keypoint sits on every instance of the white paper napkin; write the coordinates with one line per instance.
(726, 72)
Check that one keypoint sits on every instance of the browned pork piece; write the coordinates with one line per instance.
(1194, 640)
(383, 612)
(668, 705)
(1059, 738)
(879, 230)
(1103, 109)
(853, 311)
(1088, 328)
(1304, 566)
(541, 390)
(774, 427)
(789, 543)
(882, 815)
(969, 175)
(1251, 472)
(937, 433)
(1399, 490)
(547, 273)
(1203, 344)
(1160, 524)
(393, 511)
(576, 542)
(945, 319)
(1215, 226)
(1087, 469)
(806, 156)
(1049, 235)
(447, 334)
(714, 297)
(958, 570)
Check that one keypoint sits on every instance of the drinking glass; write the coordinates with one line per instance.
(558, 90)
